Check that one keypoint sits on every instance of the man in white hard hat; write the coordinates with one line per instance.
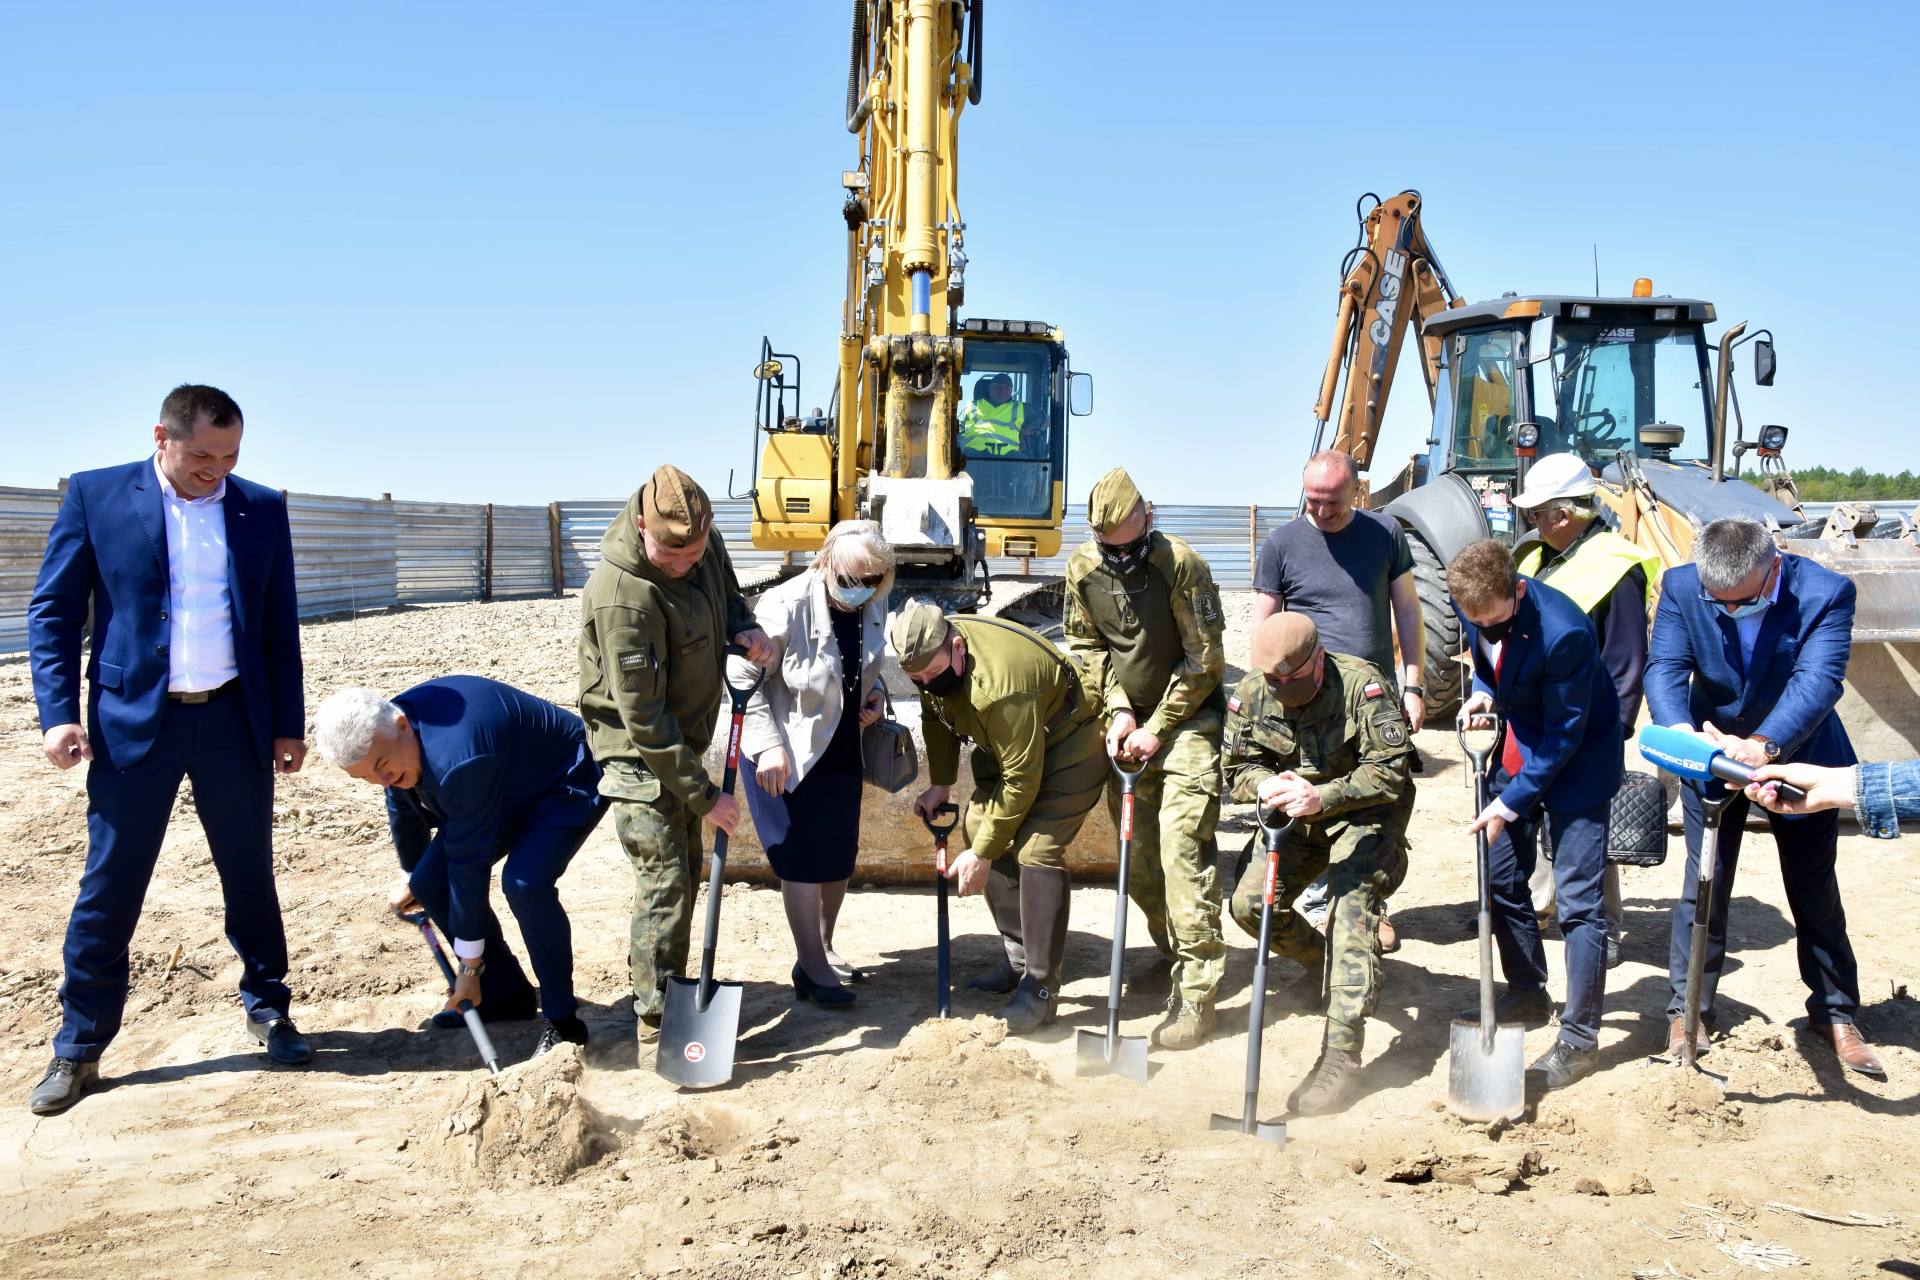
(1609, 578)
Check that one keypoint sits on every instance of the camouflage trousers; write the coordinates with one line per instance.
(661, 839)
(1365, 862)
(1173, 877)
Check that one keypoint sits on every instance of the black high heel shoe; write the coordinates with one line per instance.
(805, 988)
(848, 973)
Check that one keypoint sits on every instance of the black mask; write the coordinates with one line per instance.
(1126, 557)
(1495, 632)
(946, 683)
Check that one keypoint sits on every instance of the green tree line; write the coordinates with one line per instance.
(1825, 484)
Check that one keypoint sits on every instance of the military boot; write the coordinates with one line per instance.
(1043, 917)
(1187, 1023)
(1328, 1084)
(1003, 901)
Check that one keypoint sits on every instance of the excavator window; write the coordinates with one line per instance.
(1607, 379)
(1483, 398)
(1008, 436)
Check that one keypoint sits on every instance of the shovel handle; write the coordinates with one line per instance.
(741, 694)
(942, 821)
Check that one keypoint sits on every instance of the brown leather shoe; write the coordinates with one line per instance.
(1677, 1039)
(1389, 936)
(1850, 1047)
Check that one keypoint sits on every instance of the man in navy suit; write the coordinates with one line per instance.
(1536, 661)
(476, 771)
(194, 672)
(1750, 647)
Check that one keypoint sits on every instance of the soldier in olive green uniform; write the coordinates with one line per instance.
(1143, 619)
(655, 619)
(1037, 770)
(1320, 737)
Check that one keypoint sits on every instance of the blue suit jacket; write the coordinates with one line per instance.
(108, 551)
(494, 764)
(1559, 704)
(1694, 672)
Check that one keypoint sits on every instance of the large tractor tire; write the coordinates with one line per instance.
(1443, 633)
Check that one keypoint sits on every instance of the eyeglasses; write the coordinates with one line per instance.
(1748, 602)
(871, 580)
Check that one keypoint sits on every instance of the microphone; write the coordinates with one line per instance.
(1688, 755)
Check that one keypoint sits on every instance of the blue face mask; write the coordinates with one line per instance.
(1748, 609)
(850, 597)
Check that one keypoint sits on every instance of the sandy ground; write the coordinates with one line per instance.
(880, 1142)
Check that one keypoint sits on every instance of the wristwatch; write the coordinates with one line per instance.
(1414, 688)
(471, 970)
(1767, 745)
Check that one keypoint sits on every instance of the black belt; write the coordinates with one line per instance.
(205, 695)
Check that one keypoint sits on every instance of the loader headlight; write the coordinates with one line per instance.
(1527, 436)
(1773, 438)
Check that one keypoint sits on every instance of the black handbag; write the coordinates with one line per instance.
(1637, 824)
(887, 754)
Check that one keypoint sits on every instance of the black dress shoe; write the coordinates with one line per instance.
(61, 1087)
(805, 988)
(284, 1042)
(1561, 1065)
(1531, 1009)
(559, 1031)
(514, 1008)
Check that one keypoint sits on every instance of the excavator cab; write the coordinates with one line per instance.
(1017, 391)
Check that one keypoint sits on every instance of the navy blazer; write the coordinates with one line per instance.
(1694, 672)
(1559, 704)
(494, 763)
(108, 551)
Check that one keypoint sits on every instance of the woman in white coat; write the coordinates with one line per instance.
(800, 746)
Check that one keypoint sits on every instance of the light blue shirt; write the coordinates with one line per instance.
(1749, 626)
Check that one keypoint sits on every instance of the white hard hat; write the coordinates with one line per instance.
(1558, 475)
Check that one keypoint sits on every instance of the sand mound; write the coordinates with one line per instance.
(529, 1124)
(702, 1130)
(1688, 1100)
(955, 1062)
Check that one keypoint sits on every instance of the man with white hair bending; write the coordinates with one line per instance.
(476, 771)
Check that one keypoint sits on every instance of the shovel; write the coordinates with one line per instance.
(941, 825)
(1109, 1052)
(476, 1028)
(701, 1020)
(1712, 807)
(1248, 1121)
(1486, 1063)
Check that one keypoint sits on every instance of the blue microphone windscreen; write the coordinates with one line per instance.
(1683, 754)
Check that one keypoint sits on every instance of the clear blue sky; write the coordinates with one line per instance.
(483, 251)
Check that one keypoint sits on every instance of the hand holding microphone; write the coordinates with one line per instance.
(1688, 755)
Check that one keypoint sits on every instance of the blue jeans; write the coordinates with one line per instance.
(1887, 794)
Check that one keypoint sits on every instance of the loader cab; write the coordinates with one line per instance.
(1017, 390)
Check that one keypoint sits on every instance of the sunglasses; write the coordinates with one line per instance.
(871, 580)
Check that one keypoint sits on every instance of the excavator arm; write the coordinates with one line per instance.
(1391, 279)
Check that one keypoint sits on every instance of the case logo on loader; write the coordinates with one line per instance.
(1393, 265)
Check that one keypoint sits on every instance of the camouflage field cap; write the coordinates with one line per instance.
(917, 634)
(1113, 499)
(1283, 644)
(675, 509)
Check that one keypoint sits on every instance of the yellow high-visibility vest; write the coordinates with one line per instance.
(993, 429)
(1600, 559)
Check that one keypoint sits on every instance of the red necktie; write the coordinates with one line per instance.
(1509, 745)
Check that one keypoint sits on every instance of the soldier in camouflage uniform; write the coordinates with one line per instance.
(1320, 737)
(655, 619)
(1143, 620)
(1037, 770)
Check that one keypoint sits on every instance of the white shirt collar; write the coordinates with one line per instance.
(166, 485)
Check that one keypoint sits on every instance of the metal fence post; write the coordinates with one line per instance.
(486, 563)
(553, 538)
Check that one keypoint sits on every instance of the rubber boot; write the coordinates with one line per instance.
(1043, 916)
(1003, 901)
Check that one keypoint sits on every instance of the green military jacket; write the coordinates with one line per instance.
(1019, 698)
(1350, 741)
(1152, 643)
(652, 657)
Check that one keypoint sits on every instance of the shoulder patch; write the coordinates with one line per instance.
(1233, 703)
(1373, 690)
(1393, 730)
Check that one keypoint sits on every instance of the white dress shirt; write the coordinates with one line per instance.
(200, 602)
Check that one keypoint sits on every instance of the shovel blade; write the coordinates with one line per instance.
(1128, 1059)
(696, 1045)
(1267, 1131)
(1485, 1085)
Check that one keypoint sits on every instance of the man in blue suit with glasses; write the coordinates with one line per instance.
(193, 672)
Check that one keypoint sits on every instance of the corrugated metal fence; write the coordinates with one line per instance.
(357, 554)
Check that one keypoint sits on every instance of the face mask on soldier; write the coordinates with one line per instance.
(1127, 557)
(947, 682)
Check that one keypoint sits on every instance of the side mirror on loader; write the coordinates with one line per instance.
(1080, 395)
(1763, 362)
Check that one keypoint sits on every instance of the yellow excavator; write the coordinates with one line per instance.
(1633, 386)
(950, 432)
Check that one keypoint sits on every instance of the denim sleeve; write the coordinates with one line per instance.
(1886, 794)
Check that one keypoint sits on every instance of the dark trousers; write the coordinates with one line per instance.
(1807, 849)
(127, 812)
(1579, 869)
(535, 860)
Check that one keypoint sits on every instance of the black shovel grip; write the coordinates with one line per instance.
(945, 818)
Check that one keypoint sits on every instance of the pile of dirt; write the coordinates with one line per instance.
(705, 1131)
(949, 1062)
(1689, 1101)
(528, 1125)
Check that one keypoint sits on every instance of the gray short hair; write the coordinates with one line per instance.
(347, 723)
(1730, 550)
(856, 549)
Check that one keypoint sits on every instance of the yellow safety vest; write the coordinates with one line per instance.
(993, 429)
(1588, 576)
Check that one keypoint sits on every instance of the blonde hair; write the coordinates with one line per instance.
(856, 549)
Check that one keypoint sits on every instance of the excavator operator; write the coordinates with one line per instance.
(992, 425)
